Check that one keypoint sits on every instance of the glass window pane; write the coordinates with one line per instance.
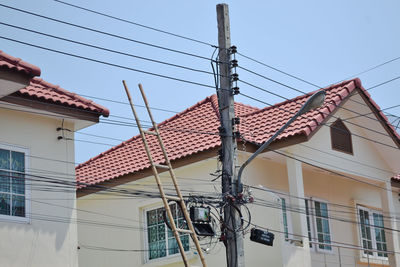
(324, 210)
(153, 247)
(151, 217)
(161, 232)
(18, 206)
(17, 161)
(325, 226)
(152, 233)
(172, 246)
(5, 204)
(322, 223)
(319, 225)
(160, 215)
(4, 181)
(4, 159)
(185, 242)
(18, 183)
(162, 250)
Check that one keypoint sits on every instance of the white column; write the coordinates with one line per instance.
(299, 219)
(392, 237)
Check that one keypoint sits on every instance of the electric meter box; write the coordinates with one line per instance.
(200, 214)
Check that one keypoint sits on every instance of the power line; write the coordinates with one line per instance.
(324, 124)
(159, 75)
(372, 68)
(102, 32)
(99, 143)
(385, 82)
(292, 88)
(278, 70)
(107, 49)
(135, 23)
(107, 63)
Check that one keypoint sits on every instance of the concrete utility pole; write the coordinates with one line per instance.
(232, 222)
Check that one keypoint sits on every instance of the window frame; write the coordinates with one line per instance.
(370, 211)
(146, 239)
(309, 209)
(286, 198)
(313, 224)
(314, 200)
(27, 217)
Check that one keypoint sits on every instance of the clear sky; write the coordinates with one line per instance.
(322, 42)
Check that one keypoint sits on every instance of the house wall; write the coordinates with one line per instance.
(129, 212)
(367, 172)
(49, 237)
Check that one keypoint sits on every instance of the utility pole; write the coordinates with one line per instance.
(232, 223)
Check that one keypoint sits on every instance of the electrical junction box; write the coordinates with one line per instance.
(263, 237)
(201, 219)
(200, 214)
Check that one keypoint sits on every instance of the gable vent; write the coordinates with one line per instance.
(341, 137)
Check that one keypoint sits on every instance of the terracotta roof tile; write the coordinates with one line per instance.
(13, 63)
(39, 89)
(189, 132)
(186, 133)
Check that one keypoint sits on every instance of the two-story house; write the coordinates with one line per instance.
(38, 225)
(323, 187)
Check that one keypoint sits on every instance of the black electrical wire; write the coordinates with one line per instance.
(323, 124)
(135, 23)
(106, 49)
(108, 63)
(102, 32)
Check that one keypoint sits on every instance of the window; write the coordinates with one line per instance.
(160, 239)
(372, 233)
(308, 216)
(322, 225)
(341, 137)
(12, 183)
(318, 224)
(286, 219)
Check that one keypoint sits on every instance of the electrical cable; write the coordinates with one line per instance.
(108, 63)
(135, 23)
(102, 32)
(105, 49)
(352, 123)
(323, 124)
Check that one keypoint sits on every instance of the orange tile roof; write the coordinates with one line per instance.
(189, 132)
(195, 130)
(13, 63)
(41, 90)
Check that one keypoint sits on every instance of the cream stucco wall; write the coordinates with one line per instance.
(49, 236)
(129, 212)
(359, 179)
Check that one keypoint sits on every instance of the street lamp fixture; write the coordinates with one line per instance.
(316, 100)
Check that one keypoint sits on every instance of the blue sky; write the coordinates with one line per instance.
(322, 42)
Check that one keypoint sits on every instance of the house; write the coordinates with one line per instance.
(37, 176)
(323, 187)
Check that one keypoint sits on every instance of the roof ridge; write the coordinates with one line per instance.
(378, 109)
(215, 105)
(330, 87)
(27, 67)
(177, 115)
(61, 90)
